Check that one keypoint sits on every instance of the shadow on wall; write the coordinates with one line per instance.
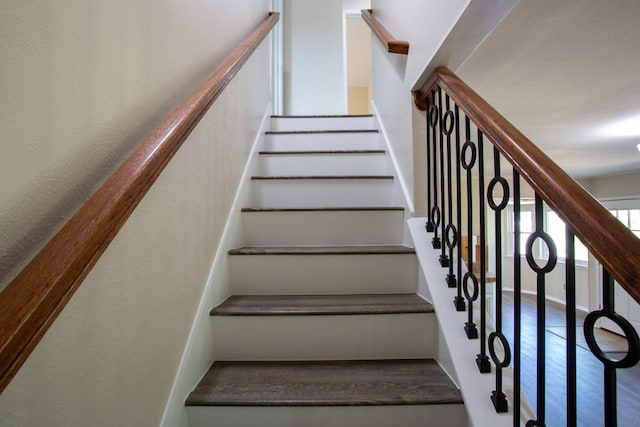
(43, 225)
(399, 64)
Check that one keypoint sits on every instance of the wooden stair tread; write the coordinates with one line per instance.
(316, 152)
(328, 131)
(327, 209)
(325, 383)
(278, 305)
(303, 177)
(323, 250)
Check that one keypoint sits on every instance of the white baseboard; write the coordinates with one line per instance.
(198, 353)
(408, 199)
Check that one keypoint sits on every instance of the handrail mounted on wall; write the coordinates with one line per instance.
(33, 300)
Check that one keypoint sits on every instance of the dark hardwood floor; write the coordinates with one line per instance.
(589, 369)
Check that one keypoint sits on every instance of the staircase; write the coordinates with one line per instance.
(324, 327)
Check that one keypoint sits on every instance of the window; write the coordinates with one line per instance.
(554, 226)
(526, 227)
(629, 217)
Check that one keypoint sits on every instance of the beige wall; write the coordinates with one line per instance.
(81, 83)
(359, 100)
(615, 186)
(358, 53)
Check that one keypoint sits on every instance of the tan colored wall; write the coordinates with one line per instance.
(82, 82)
(359, 100)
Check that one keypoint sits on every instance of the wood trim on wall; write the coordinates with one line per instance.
(34, 299)
(612, 243)
(392, 45)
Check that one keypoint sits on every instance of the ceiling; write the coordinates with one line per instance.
(566, 73)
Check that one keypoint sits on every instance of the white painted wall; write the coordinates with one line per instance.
(425, 25)
(314, 69)
(356, 4)
(82, 82)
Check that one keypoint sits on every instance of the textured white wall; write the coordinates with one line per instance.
(425, 25)
(81, 83)
(314, 70)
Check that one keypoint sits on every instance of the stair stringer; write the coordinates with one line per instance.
(457, 354)
(339, 416)
(199, 350)
(401, 194)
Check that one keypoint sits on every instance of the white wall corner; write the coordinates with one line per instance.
(404, 189)
(199, 350)
(473, 24)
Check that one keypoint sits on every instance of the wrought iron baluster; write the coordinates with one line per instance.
(459, 301)
(432, 121)
(450, 232)
(541, 272)
(443, 210)
(610, 366)
(498, 397)
(570, 280)
(517, 301)
(468, 156)
(435, 210)
(482, 360)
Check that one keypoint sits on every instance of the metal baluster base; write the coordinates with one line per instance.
(472, 330)
(460, 304)
(436, 243)
(451, 281)
(444, 261)
(499, 402)
(484, 364)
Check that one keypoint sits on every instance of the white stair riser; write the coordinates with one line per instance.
(333, 416)
(318, 193)
(322, 228)
(322, 274)
(322, 164)
(319, 337)
(323, 141)
(322, 123)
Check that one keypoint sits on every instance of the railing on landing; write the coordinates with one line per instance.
(33, 300)
(459, 122)
(392, 45)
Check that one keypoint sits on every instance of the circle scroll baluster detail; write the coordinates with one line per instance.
(553, 254)
(633, 353)
(435, 215)
(505, 346)
(505, 193)
(447, 122)
(476, 288)
(451, 233)
(467, 147)
(434, 112)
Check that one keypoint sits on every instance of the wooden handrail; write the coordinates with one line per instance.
(33, 300)
(394, 46)
(612, 243)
